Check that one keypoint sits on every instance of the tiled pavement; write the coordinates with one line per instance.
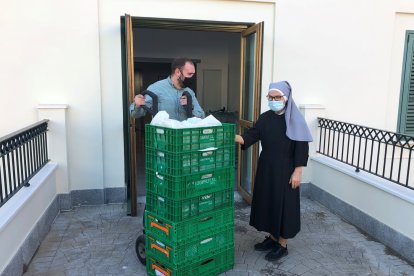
(100, 240)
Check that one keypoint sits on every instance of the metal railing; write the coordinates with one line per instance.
(22, 154)
(382, 153)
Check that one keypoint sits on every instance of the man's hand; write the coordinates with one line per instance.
(183, 100)
(139, 100)
(296, 177)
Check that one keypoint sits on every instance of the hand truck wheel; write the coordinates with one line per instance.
(140, 249)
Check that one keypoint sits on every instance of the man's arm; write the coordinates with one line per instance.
(197, 110)
(135, 109)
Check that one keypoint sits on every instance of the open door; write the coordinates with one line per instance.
(250, 86)
(129, 123)
(251, 63)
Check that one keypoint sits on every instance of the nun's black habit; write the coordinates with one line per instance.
(275, 205)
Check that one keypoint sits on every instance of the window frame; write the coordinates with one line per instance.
(407, 70)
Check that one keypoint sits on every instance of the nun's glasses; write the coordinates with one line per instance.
(274, 98)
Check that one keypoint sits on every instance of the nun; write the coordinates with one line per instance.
(285, 138)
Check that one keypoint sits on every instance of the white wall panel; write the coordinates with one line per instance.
(49, 54)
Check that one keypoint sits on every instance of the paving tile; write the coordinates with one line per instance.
(235, 273)
(100, 240)
(299, 269)
(39, 267)
(320, 271)
(287, 263)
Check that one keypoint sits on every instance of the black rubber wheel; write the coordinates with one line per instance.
(140, 249)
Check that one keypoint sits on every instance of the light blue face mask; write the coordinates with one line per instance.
(276, 105)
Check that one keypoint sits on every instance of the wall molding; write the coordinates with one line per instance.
(24, 255)
(92, 197)
(61, 202)
(401, 244)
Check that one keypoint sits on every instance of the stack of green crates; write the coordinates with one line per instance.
(189, 217)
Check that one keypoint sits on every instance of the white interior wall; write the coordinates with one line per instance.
(233, 99)
(211, 48)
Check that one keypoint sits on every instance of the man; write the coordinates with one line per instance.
(169, 92)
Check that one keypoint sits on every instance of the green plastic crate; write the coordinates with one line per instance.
(205, 244)
(191, 185)
(178, 210)
(207, 266)
(187, 230)
(172, 163)
(189, 139)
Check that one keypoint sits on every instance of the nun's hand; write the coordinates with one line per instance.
(239, 139)
(296, 177)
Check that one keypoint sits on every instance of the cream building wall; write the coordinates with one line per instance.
(49, 54)
(340, 54)
(345, 55)
(110, 43)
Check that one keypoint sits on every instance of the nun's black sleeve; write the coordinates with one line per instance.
(301, 154)
(251, 135)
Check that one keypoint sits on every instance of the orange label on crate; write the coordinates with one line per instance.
(162, 228)
(160, 249)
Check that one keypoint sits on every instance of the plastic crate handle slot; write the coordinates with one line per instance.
(159, 248)
(159, 131)
(207, 261)
(208, 149)
(208, 175)
(159, 269)
(159, 176)
(162, 228)
(206, 240)
(206, 219)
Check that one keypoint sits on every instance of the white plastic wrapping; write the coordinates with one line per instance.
(162, 119)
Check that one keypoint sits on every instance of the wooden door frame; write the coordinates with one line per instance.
(158, 23)
(258, 29)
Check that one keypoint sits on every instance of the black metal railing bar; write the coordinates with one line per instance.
(382, 153)
(22, 154)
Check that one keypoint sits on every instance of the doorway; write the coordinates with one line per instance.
(228, 76)
(146, 72)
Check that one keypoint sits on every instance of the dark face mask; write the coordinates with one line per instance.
(185, 82)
